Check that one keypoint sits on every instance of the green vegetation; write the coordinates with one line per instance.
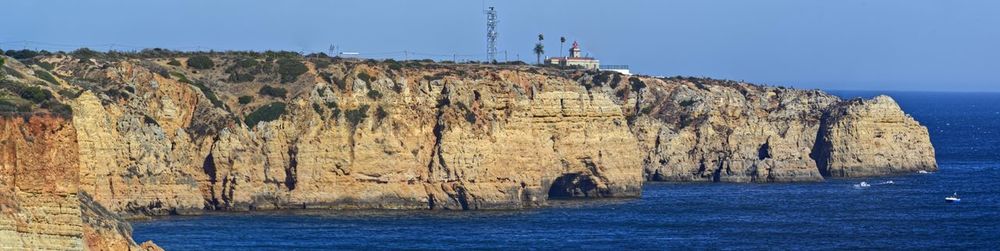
(539, 48)
(238, 77)
(245, 99)
(246, 70)
(318, 108)
(25, 98)
(146, 119)
(334, 108)
(21, 54)
(44, 65)
(209, 94)
(321, 63)
(85, 54)
(200, 62)
(330, 78)
(174, 62)
(646, 110)
(367, 78)
(380, 113)
(562, 42)
(394, 65)
(246, 63)
(271, 55)
(355, 116)
(470, 116)
(290, 69)
(701, 86)
(7, 105)
(201, 86)
(44, 75)
(688, 103)
(180, 77)
(204, 89)
(67, 93)
(276, 92)
(269, 112)
(636, 83)
(36, 94)
(373, 94)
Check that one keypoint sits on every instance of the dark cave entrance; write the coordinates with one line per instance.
(573, 185)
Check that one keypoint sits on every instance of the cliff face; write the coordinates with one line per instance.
(692, 129)
(260, 131)
(40, 205)
(349, 136)
(872, 137)
(155, 136)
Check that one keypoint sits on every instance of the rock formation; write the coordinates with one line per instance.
(872, 137)
(150, 135)
(41, 206)
(694, 129)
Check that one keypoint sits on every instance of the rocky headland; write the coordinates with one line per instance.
(89, 138)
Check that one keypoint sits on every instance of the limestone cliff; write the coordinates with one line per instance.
(872, 137)
(41, 206)
(348, 135)
(152, 135)
(694, 129)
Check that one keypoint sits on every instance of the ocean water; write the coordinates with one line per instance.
(909, 213)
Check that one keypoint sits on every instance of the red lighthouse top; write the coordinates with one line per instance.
(575, 51)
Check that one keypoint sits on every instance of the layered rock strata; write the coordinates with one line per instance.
(872, 137)
(41, 207)
(694, 129)
(153, 136)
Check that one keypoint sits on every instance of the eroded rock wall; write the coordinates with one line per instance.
(41, 207)
(872, 137)
(405, 138)
(695, 129)
(157, 138)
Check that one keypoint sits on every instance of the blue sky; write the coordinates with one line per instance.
(931, 45)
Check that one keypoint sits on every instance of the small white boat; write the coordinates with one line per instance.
(953, 198)
(922, 172)
(862, 185)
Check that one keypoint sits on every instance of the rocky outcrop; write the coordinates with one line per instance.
(694, 129)
(151, 137)
(872, 137)
(350, 136)
(40, 203)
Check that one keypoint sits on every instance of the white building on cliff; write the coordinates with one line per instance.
(575, 59)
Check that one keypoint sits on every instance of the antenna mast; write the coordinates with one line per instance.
(491, 35)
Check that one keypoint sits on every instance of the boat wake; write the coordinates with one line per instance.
(865, 184)
(862, 185)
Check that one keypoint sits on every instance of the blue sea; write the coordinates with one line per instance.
(909, 213)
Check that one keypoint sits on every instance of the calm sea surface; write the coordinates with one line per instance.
(910, 213)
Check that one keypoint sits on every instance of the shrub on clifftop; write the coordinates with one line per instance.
(245, 99)
(276, 92)
(46, 76)
(290, 69)
(200, 62)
